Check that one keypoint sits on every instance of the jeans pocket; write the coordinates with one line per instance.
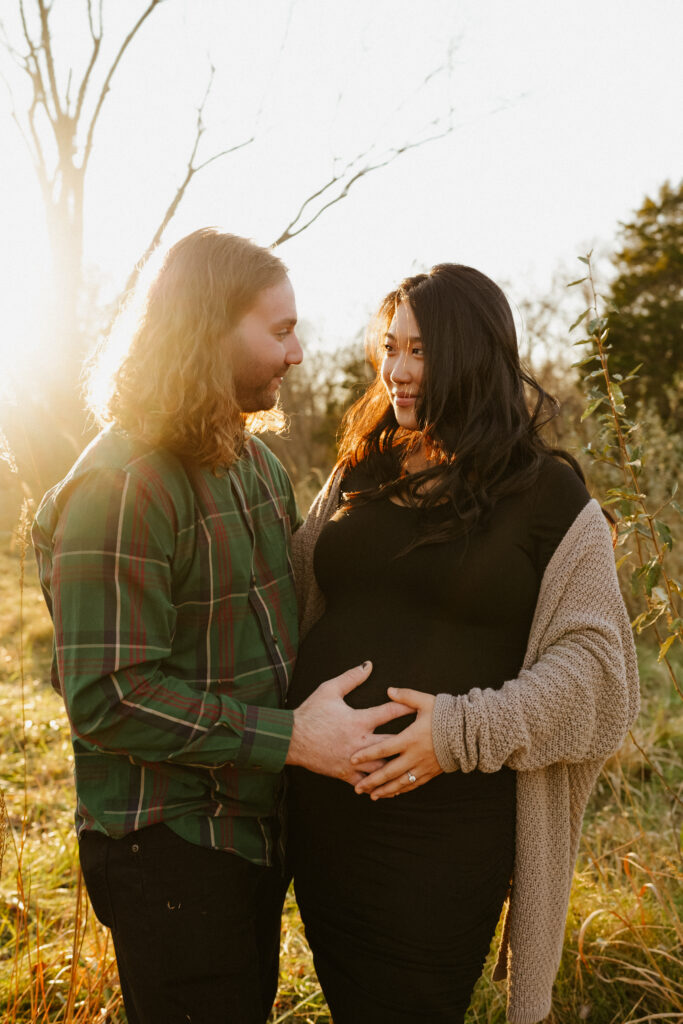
(93, 850)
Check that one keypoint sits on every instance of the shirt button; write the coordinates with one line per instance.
(135, 848)
(276, 639)
(252, 580)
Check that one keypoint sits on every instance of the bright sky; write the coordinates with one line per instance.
(566, 113)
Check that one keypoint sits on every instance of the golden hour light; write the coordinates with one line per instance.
(341, 543)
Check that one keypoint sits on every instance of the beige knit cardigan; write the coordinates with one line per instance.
(567, 711)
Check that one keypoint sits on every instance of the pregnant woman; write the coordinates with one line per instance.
(462, 556)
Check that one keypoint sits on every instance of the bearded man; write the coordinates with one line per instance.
(164, 561)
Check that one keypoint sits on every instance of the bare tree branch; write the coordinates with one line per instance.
(17, 57)
(24, 25)
(170, 213)
(32, 63)
(39, 156)
(95, 35)
(275, 65)
(46, 47)
(110, 74)
(35, 157)
(29, 134)
(190, 172)
(295, 228)
(97, 41)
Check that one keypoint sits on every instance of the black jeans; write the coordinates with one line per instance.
(196, 931)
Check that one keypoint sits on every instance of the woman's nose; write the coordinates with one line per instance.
(400, 371)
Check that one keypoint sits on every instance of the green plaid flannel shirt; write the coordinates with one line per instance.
(174, 611)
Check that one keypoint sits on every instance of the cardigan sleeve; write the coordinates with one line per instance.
(577, 694)
(309, 596)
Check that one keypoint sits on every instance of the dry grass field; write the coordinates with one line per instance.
(623, 959)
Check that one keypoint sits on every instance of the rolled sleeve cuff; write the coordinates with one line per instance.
(265, 740)
(444, 708)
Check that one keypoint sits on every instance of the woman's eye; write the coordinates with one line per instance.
(417, 351)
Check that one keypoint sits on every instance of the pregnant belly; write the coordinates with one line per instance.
(424, 653)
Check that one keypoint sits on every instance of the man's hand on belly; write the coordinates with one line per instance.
(327, 731)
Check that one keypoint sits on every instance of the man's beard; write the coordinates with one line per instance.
(257, 398)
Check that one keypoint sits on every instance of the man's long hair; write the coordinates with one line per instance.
(479, 411)
(173, 386)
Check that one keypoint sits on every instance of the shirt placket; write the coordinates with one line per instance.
(256, 601)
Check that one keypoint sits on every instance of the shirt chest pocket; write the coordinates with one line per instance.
(272, 540)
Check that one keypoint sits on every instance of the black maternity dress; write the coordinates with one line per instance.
(400, 897)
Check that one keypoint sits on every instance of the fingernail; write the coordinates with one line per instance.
(392, 691)
(365, 664)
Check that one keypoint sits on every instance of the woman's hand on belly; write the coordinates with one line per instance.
(413, 761)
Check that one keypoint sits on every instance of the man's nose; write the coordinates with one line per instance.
(294, 353)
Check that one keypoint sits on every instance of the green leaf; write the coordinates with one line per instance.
(646, 577)
(664, 534)
(654, 571)
(675, 505)
(592, 407)
(623, 559)
(579, 319)
(584, 341)
(584, 362)
(585, 259)
(618, 397)
(579, 280)
(597, 325)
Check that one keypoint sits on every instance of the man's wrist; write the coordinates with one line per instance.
(266, 738)
(294, 749)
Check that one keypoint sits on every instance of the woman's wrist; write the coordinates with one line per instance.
(444, 708)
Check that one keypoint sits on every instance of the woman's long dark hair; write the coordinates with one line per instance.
(474, 411)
